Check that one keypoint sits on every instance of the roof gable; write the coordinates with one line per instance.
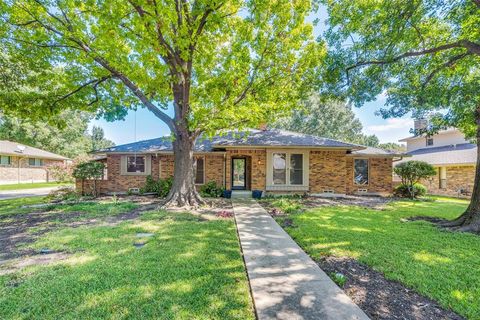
(18, 149)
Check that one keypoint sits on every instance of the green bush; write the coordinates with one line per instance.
(210, 189)
(288, 205)
(160, 187)
(63, 194)
(411, 173)
(405, 191)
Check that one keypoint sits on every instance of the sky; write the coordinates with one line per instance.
(142, 124)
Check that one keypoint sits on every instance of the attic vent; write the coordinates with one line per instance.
(362, 190)
(328, 191)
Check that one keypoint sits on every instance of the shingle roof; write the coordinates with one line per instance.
(272, 137)
(16, 149)
(465, 153)
(371, 151)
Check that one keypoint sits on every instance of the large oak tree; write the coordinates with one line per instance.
(225, 64)
(425, 56)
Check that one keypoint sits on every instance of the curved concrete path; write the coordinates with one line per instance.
(285, 282)
(25, 193)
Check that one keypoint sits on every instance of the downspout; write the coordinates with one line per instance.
(224, 170)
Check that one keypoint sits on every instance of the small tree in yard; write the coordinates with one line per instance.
(89, 170)
(411, 172)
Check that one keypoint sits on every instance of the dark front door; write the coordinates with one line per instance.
(239, 181)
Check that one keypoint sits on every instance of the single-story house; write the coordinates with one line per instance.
(21, 164)
(453, 157)
(273, 161)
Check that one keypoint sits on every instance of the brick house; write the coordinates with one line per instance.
(22, 164)
(453, 157)
(273, 161)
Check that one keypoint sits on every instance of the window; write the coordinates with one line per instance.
(5, 160)
(429, 142)
(35, 162)
(199, 170)
(296, 169)
(136, 164)
(279, 168)
(360, 169)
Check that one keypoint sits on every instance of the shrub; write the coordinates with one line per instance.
(210, 189)
(288, 205)
(160, 187)
(406, 191)
(61, 172)
(339, 278)
(63, 194)
(89, 170)
(411, 172)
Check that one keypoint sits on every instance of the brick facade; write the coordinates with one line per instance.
(380, 176)
(328, 171)
(19, 171)
(457, 178)
(255, 168)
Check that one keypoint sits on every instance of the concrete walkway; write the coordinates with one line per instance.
(24, 193)
(286, 283)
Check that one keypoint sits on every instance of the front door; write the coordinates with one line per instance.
(239, 181)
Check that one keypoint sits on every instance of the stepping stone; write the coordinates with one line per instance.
(46, 251)
(138, 245)
(144, 235)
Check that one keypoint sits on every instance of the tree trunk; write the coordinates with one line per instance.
(469, 221)
(183, 192)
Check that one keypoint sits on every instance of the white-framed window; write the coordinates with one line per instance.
(35, 162)
(199, 170)
(287, 169)
(136, 164)
(5, 160)
(361, 172)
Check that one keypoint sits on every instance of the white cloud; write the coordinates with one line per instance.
(392, 124)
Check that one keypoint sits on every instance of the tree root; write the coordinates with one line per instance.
(188, 200)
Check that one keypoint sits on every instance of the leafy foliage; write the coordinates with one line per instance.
(288, 205)
(160, 187)
(61, 172)
(63, 194)
(411, 172)
(210, 189)
(424, 55)
(410, 191)
(120, 55)
(67, 134)
(89, 170)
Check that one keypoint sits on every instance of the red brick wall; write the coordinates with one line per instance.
(380, 176)
(458, 177)
(327, 171)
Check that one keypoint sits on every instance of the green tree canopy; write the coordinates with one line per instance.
(68, 137)
(424, 55)
(222, 64)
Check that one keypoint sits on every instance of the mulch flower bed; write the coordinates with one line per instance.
(381, 298)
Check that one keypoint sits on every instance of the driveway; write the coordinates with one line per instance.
(12, 194)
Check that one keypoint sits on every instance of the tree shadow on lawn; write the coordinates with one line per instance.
(439, 264)
(188, 269)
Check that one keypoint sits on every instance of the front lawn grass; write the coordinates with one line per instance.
(189, 269)
(35, 185)
(442, 265)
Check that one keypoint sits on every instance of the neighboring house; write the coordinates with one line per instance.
(273, 161)
(453, 157)
(20, 163)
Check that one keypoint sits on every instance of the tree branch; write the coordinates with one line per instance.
(447, 64)
(469, 45)
(94, 81)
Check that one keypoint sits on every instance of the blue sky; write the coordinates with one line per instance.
(148, 126)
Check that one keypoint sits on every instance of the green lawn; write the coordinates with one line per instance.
(190, 269)
(35, 185)
(439, 264)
